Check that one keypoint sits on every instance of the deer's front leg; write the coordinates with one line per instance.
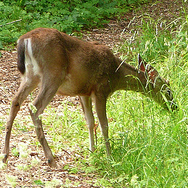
(87, 108)
(100, 103)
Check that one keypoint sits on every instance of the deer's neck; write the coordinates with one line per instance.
(131, 78)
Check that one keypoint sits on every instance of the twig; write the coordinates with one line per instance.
(11, 22)
(120, 65)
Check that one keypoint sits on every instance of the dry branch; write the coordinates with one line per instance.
(11, 22)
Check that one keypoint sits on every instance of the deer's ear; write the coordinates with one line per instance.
(139, 59)
(152, 73)
(141, 64)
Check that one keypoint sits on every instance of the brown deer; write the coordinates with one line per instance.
(62, 64)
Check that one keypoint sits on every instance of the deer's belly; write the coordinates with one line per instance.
(73, 87)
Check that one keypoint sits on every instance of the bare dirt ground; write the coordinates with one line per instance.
(112, 35)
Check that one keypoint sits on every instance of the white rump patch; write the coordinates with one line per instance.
(30, 62)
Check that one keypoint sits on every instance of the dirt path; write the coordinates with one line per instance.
(113, 34)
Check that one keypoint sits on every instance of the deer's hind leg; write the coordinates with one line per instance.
(47, 91)
(26, 87)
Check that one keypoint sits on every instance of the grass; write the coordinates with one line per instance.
(149, 144)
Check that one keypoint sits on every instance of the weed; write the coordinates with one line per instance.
(11, 180)
(15, 152)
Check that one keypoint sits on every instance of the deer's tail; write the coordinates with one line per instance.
(21, 56)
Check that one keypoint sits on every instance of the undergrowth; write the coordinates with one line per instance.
(66, 15)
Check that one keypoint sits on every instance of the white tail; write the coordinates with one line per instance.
(62, 64)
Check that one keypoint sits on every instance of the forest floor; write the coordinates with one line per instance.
(112, 35)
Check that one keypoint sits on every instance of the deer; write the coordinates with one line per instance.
(65, 65)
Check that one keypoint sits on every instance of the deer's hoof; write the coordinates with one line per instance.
(5, 158)
(52, 163)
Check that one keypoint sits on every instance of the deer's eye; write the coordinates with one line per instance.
(169, 93)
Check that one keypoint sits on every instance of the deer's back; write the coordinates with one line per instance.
(82, 66)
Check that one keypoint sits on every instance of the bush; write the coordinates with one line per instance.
(65, 15)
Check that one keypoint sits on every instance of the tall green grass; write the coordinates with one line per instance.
(149, 144)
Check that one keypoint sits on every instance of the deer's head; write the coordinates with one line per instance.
(157, 87)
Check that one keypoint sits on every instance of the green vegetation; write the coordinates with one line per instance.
(64, 15)
(150, 144)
